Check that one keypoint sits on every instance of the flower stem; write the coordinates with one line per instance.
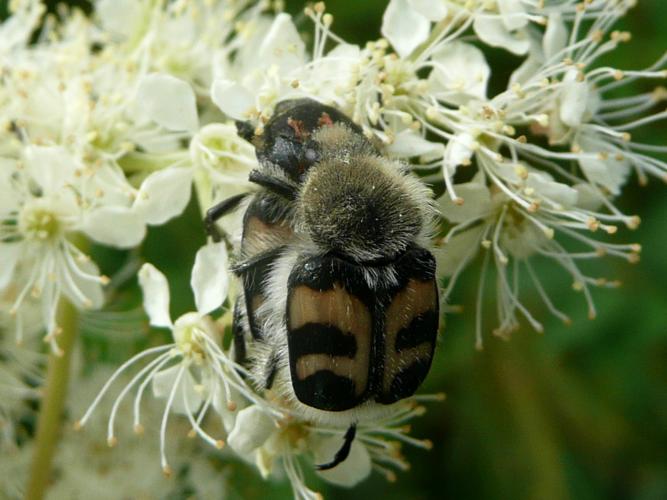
(53, 402)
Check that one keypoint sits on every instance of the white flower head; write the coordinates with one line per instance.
(85, 469)
(258, 80)
(279, 445)
(510, 234)
(460, 73)
(40, 213)
(194, 372)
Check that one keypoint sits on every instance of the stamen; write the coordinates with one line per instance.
(165, 419)
(81, 422)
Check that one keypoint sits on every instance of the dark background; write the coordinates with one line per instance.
(578, 412)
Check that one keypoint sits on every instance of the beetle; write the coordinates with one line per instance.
(340, 311)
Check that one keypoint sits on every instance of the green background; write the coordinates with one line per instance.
(578, 412)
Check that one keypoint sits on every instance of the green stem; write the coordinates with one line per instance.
(49, 424)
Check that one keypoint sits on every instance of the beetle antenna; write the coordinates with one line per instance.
(344, 450)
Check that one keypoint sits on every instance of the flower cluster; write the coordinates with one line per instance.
(548, 155)
(109, 121)
(195, 375)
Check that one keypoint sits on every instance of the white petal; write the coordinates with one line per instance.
(116, 226)
(51, 167)
(461, 246)
(513, 14)
(557, 192)
(510, 173)
(523, 244)
(459, 151)
(461, 72)
(120, 17)
(156, 295)
(587, 197)
(164, 380)
(408, 144)
(404, 27)
(233, 99)
(163, 383)
(282, 46)
(168, 101)
(9, 256)
(327, 75)
(210, 277)
(17, 29)
(476, 202)
(493, 32)
(573, 99)
(555, 36)
(610, 173)
(218, 148)
(164, 194)
(251, 430)
(354, 469)
(433, 10)
(264, 461)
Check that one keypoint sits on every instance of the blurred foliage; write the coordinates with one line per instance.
(578, 412)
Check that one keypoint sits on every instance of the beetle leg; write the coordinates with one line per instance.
(243, 267)
(220, 210)
(238, 332)
(273, 184)
(344, 450)
(270, 370)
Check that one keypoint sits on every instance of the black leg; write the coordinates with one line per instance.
(270, 371)
(243, 267)
(344, 451)
(238, 333)
(273, 184)
(220, 210)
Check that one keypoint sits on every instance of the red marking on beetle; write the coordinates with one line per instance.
(325, 120)
(299, 129)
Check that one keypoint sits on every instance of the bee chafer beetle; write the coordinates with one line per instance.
(339, 313)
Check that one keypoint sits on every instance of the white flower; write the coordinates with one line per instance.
(278, 444)
(460, 72)
(15, 32)
(574, 99)
(404, 27)
(356, 467)
(193, 373)
(260, 79)
(222, 162)
(510, 235)
(85, 469)
(186, 40)
(168, 101)
(40, 212)
(499, 23)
